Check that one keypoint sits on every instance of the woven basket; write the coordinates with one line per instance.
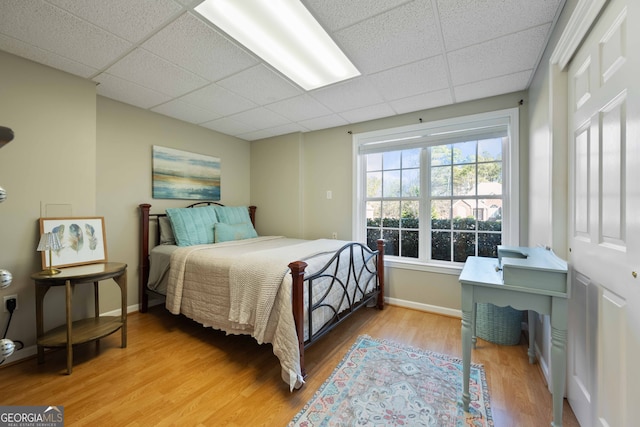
(499, 325)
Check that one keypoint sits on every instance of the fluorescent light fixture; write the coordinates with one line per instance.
(284, 34)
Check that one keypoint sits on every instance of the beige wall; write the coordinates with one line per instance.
(327, 162)
(76, 154)
(48, 168)
(125, 137)
(327, 166)
(276, 185)
(548, 161)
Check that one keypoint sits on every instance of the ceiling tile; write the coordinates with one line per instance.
(369, 112)
(419, 77)
(162, 55)
(299, 108)
(260, 85)
(228, 126)
(400, 36)
(352, 94)
(146, 69)
(498, 57)
(132, 20)
(424, 101)
(186, 112)
(324, 122)
(337, 14)
(130, 93)
(52, 29)
(260, 118)
(197, 47)
(483, 21)
(268, 133)
(491, 87)
(28, 51)
(219, 100)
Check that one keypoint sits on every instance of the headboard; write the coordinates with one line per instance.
(147, 218)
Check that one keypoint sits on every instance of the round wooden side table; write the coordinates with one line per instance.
(83, 330)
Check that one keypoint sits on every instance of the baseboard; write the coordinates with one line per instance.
(116, 312)
(544, 366)
(20, 356)
(424, 307)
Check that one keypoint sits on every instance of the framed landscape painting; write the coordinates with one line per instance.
(181, 174)
(83, 241)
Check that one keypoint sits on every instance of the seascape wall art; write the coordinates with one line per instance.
(181, 174)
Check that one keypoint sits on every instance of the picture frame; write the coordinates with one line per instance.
(83, 240)
(179, 174)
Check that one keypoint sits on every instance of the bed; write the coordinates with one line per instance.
(282, 291)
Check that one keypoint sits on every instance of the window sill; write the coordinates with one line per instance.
(395, 262)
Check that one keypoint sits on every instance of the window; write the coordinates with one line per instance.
(436, 192)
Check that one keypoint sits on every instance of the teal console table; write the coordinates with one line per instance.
(525, 279)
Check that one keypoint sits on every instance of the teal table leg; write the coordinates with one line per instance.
(558, 356)
(474, 314)
(532, 336)
(467, 312)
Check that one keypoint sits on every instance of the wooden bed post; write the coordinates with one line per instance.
(297, 299)
(143, 273)
(252, 214)
(380, 266)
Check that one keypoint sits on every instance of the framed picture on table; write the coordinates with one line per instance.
(82, 241)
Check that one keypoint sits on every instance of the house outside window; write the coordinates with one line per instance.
(439, 192)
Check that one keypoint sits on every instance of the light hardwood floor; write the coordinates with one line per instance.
(175, 372)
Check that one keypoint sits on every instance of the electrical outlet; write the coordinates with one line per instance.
(334, 235)
(6, 298)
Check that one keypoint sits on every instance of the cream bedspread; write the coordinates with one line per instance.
(242, 287)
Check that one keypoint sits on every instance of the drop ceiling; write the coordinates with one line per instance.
(162, 56)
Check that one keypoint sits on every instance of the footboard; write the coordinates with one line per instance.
(362, 284)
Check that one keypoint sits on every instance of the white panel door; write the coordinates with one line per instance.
(604, 234)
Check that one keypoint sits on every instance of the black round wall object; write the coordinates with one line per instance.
(6, 135)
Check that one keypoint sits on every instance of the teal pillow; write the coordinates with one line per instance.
(192, 226)
(227, 232)
(233, 214)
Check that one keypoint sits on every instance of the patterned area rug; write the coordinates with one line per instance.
(381, 383)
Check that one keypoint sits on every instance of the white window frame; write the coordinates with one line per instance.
(410, 136)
